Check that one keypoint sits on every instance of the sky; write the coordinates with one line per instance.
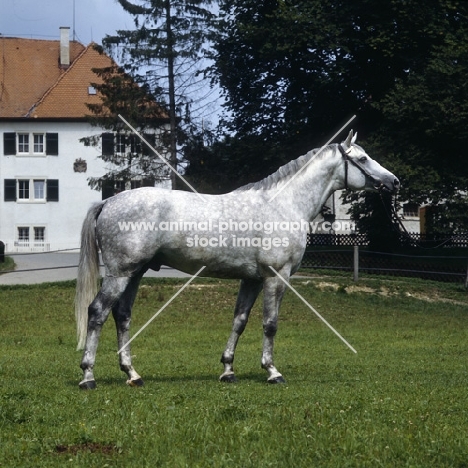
(89, 21)
(41, 19)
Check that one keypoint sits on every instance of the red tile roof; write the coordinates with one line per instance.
(32, 83)
(68, 96)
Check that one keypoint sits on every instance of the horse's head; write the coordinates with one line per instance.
(363, 173)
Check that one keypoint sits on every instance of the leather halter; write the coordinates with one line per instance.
(347, 160)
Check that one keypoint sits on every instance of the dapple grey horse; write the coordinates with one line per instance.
(254, 234)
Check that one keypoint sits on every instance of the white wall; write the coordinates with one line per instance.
(61, 219)
(342, 218)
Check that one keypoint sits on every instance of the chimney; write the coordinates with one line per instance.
(64, 47)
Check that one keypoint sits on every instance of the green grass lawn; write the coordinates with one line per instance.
(8, 264)
(401, 401)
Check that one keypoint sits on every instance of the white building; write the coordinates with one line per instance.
(44, 168)
(335, 219)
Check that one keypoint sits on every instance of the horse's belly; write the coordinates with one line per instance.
(216, 264)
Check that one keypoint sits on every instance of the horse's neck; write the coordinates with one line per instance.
(309, 191)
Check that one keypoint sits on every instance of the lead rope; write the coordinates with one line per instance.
(346, 173)
(398, 225)
(396, 222)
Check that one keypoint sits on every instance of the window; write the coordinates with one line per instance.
(38, 192)
(39, 234)
(23, 143)
(23, 235)
(91, 90)
(119, 186)
(39, 189)
(411, 210)
(123, 144)
(135, 145)
(23, 189)
(31, 190)
(39, 143)
(142, 183)
(26, 144)
(120, 144)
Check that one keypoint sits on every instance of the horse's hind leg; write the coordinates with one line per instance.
(122, 312)
(248, 293)
(111, 290)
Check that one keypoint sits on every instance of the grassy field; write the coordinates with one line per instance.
(8, 264)
(401, 401)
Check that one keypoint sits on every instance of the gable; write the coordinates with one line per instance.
(70, 94)
(28, 68)
(34, 85)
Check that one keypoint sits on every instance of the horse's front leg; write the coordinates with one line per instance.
(273, 294)
(248, 293)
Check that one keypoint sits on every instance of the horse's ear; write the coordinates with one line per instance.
(349, 140)
(353, 140)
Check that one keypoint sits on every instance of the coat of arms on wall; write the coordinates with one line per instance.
(80, 165)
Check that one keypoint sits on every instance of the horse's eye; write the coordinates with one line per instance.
(363, 159)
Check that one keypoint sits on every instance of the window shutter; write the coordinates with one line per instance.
(9, 144)
(10, 190)
(108, 144)
(107, 189)
(52, 190)
(52, 148)
(150, 138)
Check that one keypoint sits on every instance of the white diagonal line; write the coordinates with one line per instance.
(164, 160)
(310, 160)
(161, 309)
(313, 310)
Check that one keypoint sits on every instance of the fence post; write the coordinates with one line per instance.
(466, 279)
(2, 252)
(356, 263)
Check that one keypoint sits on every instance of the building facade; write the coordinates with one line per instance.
(45, 87)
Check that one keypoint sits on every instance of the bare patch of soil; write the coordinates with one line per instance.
(93, 447)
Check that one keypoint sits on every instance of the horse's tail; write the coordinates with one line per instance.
(88, 273)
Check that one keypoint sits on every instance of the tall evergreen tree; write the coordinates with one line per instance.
(165, 53)
(130, 163)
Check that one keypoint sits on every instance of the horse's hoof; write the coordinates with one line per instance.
(228, 378)
(135, 383)
(87, 385)
(277, 380)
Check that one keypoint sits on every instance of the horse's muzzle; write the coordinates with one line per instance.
(392, 186)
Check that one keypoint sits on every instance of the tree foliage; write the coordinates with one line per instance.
(128, 159)
(163, 52)
(294, 71)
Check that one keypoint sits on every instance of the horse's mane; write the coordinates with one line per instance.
(285, 172)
